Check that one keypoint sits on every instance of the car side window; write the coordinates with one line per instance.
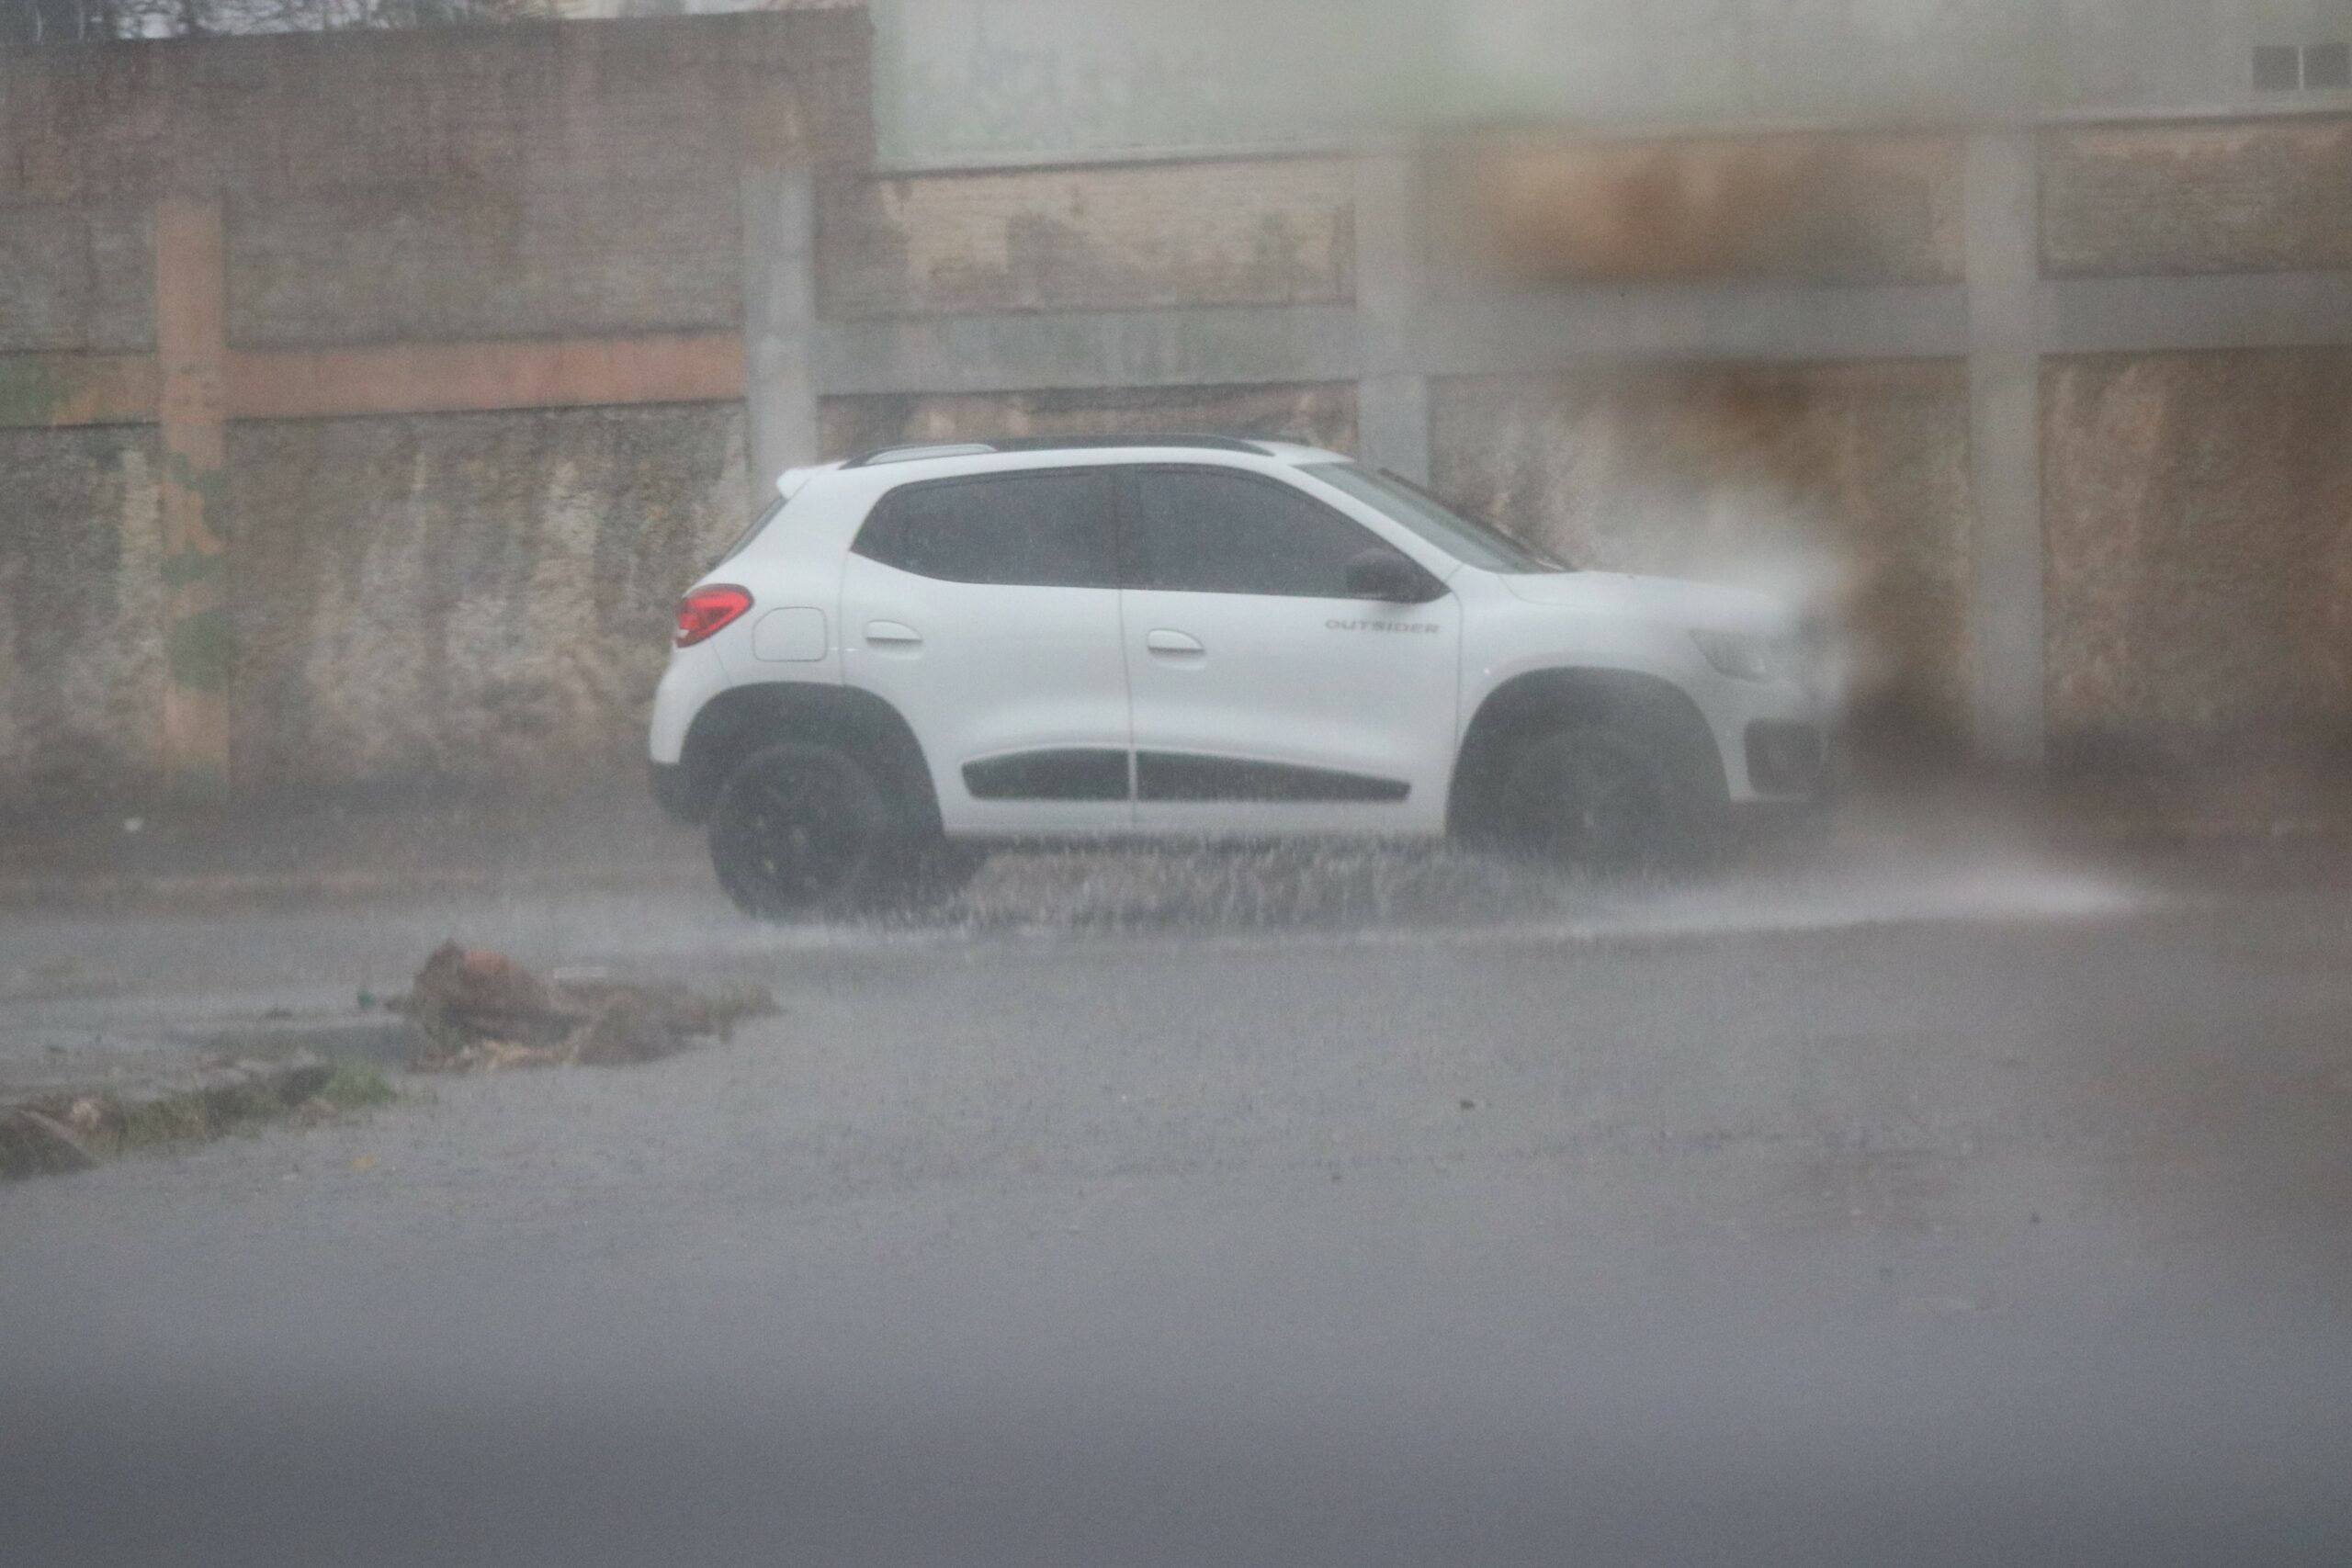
(1045, 530)
(1212, 531)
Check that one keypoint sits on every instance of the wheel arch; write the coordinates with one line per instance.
(745, 719)
(1540, 700)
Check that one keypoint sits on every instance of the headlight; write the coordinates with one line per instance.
(1749, 656)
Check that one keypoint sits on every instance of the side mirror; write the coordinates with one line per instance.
(1385, 575)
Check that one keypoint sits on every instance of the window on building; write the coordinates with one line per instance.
(2327, 65)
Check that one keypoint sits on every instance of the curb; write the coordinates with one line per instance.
(61, 1129)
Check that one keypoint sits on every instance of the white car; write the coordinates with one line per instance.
(921, 652)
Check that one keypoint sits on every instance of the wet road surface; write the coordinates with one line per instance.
(1961, 1211)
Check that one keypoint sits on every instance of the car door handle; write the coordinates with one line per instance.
(1172, 642)
(892, 634)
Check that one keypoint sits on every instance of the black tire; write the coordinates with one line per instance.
(1602, 796)
(806, 831)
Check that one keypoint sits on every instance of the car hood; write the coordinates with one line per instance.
(1671, 600)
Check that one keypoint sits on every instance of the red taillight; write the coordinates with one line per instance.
(702, 612)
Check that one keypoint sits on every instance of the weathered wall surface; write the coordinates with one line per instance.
(385, 264)
(462, 595)
(1531, 207)
(2198, 507)
(490, 109)
(2254, 196)
(1121, 237)
(82, 665)
(467, 596)
(1046, 78)
(2198, 519)
(1843, 484)
(76, 278)
(1321, 415)
(1043, 78)
(432, 306)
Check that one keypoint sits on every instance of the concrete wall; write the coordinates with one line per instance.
(2240, 195)
(1319, 416)
(249, 290)
(1117, 238)
(1038, 79)
(82, 660)
(391, 265)
(1042, 79)
(370, 398)
(78, 279)
(2199, 531)
(1531, 207)
(480, 596)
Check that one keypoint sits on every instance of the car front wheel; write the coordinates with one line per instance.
(1597, 795)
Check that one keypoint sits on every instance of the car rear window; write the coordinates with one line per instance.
(1042, 530)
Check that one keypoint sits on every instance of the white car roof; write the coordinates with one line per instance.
(941, 459)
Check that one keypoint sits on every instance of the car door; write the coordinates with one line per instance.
(985, 608)
(1264, 697)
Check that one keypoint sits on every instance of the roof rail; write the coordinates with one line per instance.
(910, 453)
(921, 449)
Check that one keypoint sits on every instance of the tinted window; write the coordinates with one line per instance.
(1463, 538)
(1221, 533)
(1042, 530)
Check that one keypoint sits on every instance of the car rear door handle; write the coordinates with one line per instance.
(891, 634)
(1172, 642)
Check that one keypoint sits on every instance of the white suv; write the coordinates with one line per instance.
(917, 653)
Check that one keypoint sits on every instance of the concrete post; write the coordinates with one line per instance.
(2003, 248)
(779, 320)
(191, 348)
(1392, 287)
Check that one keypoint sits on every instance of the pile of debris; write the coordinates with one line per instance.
(479, 1011)
(33, 1142)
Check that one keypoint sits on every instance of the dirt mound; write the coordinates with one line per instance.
(479, 1011)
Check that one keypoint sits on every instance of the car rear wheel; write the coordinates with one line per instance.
(801, 832)
(1597, 795)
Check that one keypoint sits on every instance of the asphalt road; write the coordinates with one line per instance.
(1951, 1209)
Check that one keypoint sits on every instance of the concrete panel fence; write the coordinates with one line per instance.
(364, 401)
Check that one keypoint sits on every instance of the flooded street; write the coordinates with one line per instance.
(1995, 1210)
(1672, 681)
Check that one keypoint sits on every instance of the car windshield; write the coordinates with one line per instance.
(1477, 544)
